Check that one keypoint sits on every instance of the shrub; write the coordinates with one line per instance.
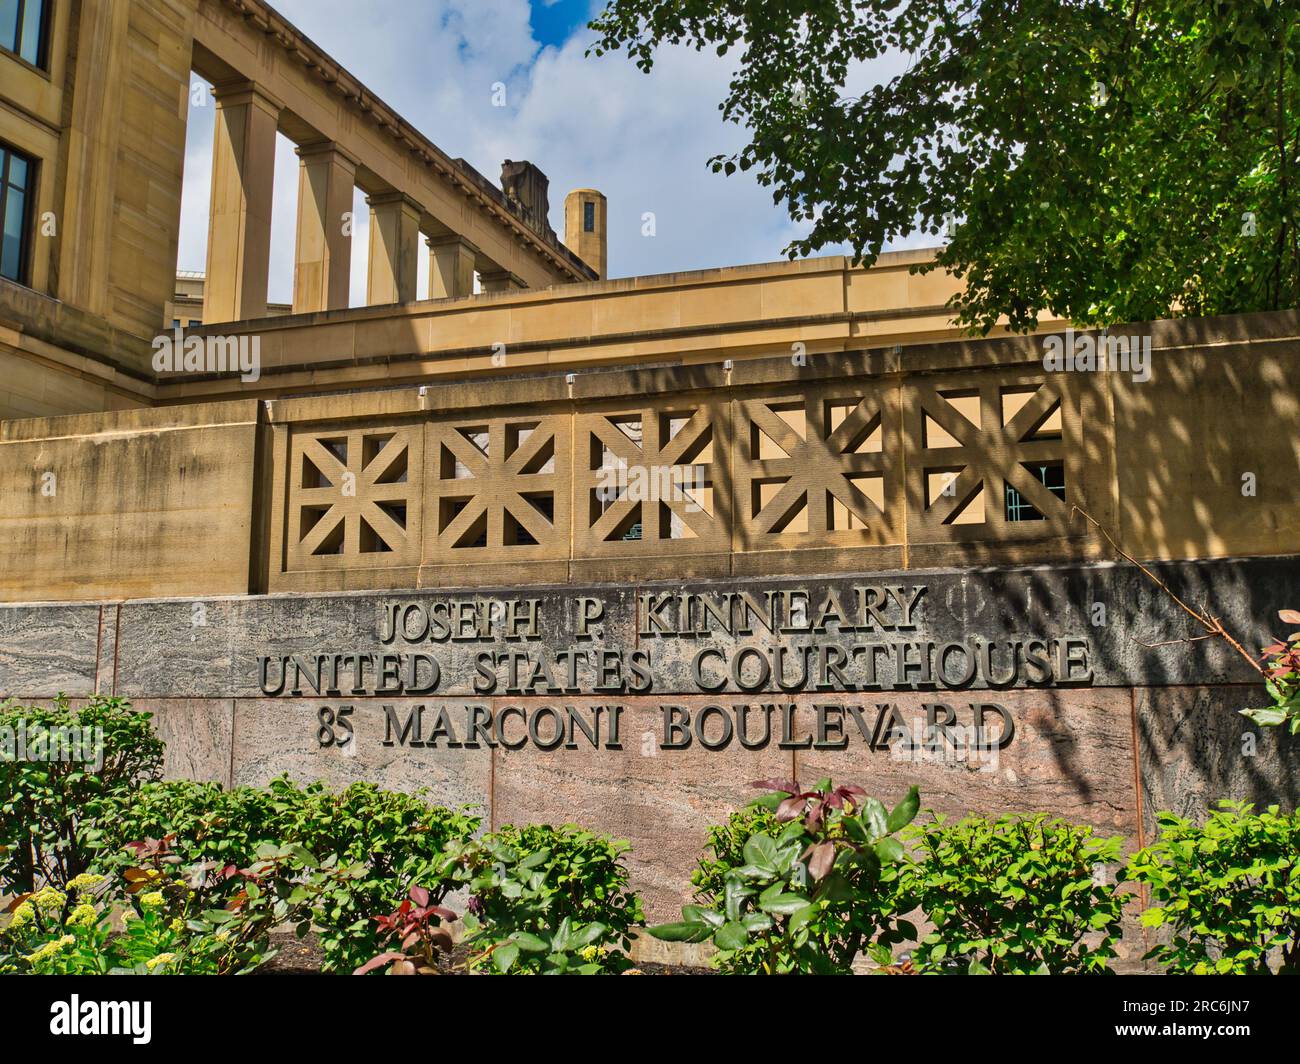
(725, 848)
(1281, 680)
(392, 841)
(201, 822)
(547, 900)
(800, 881)
(158, 918)
(420, 929)
(70, 932)
(396, 838)
(285, 885)
(48, 807)
(1229, 891)
(1014, 895)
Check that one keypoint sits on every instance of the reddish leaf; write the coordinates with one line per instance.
(419, 895)
(822, 861)
(1290, 616)
(790, 808)
(788, 786)
(379, 962)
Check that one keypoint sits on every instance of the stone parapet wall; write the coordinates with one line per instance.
(896, 458)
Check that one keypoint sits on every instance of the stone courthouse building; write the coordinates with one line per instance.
(569, 547)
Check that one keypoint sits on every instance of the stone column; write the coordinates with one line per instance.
(451, 266)
(323, 257)
(86, 223)
(500, 281)
(394, 245)
(243, 179)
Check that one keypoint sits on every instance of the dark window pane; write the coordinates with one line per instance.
(589, 217)
(1051, 476)
(9, 24)
(17, 171)
(33, 22)
(11, 251)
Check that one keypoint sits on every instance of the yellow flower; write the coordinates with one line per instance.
(161, 959)
(52, 947)
(48, 900)
(152, 900)
(23, 916)
(85, 881)
(177, 925)
(591, 953)
(83, 916)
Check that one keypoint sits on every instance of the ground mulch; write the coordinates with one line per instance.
(304, 956)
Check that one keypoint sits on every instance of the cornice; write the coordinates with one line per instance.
(477, 189)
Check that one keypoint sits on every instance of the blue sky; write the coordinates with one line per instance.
(643, 140)
(553, 21)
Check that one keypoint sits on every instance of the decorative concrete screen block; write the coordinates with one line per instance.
(354, 498)
(498, 490)
(992, 457)
(653, 480)
(839, 472)
(822, 468)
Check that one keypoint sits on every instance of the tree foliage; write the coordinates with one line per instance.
(1102, 160)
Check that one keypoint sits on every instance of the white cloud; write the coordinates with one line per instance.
(586, 122)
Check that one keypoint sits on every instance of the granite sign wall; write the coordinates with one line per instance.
(646, 711)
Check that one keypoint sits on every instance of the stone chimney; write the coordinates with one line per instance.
(586, 228)
(526, 187)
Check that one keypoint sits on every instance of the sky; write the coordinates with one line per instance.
(643, 140)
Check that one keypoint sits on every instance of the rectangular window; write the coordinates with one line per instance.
(22, 29)
(16, 193)
(1052, 477)
(588, 217)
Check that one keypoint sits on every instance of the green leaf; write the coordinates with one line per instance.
(697, 914)
(526, 940)
(873, 815)
(731, 935)
(783, 904)
(505, 956)
(904, 812)
(889, 850)
(1266, 718)
(760, 851)
(734, 892)
(683, 931)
